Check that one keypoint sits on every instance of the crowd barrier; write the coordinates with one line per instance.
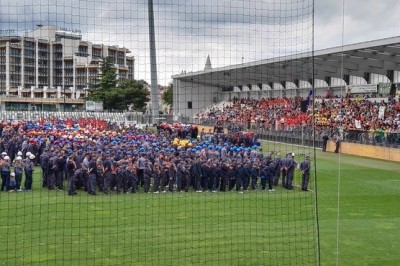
(370, 151)
(383, 151)
(354, 136)
(372, 137)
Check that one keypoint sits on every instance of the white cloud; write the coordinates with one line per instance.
(227, 30)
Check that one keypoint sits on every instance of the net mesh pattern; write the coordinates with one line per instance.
(257, 50)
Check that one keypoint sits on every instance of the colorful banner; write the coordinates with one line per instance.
(366, 88)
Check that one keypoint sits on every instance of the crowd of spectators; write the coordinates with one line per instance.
(280, 113)
(332, 114)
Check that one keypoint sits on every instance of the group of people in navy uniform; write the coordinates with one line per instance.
(132, 160)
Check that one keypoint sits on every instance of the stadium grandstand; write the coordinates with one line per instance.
(356, 91)
(362, 69)
(222, 166)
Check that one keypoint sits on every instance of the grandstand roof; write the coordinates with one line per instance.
(378, 56)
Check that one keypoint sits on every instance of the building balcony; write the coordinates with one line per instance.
(82, 54)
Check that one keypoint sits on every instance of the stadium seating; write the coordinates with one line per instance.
(361, 119)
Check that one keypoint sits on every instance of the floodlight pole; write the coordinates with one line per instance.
(153, 64)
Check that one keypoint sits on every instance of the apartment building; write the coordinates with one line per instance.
(51, 68)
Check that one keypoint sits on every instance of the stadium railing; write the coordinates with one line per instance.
(302, 135)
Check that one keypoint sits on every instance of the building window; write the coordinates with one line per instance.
(189, 105)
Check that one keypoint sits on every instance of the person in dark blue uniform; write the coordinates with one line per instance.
(171, 176)
(277, 161)
(225, 170)
(325, 139)
(305, 173)
(263, 175)
(71, 176)
(133, 178)
(157, 177)
(59, 171)
(290, 166)
(91, 186)
(107, 166)
(285, 164)
(271, 174)
(29, 168)
(121, 176)
(18, 170)
(52, 165)
(180, 175)
(198, 174)
(239, 175)
(245, 174)
(213, 176)
(254, 174)
(5, 172)
(44, 163)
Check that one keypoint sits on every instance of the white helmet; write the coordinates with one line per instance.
(6, 158)
(28, 153)
(31, 156)
(19, 153)
(18, 158)
(4, 153)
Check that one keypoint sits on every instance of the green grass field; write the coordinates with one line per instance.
(254, 228)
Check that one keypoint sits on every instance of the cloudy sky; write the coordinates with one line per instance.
(230, 31)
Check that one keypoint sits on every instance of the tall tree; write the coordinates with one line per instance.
(117, 95)
(167, 96)
(106, 82)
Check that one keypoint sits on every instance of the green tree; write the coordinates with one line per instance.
(106, 82)
(135, 94)
(118, 95)
(167, 96)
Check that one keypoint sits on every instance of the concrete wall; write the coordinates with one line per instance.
(371, 151)
(201, 96)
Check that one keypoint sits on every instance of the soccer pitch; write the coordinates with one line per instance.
(224, 228)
